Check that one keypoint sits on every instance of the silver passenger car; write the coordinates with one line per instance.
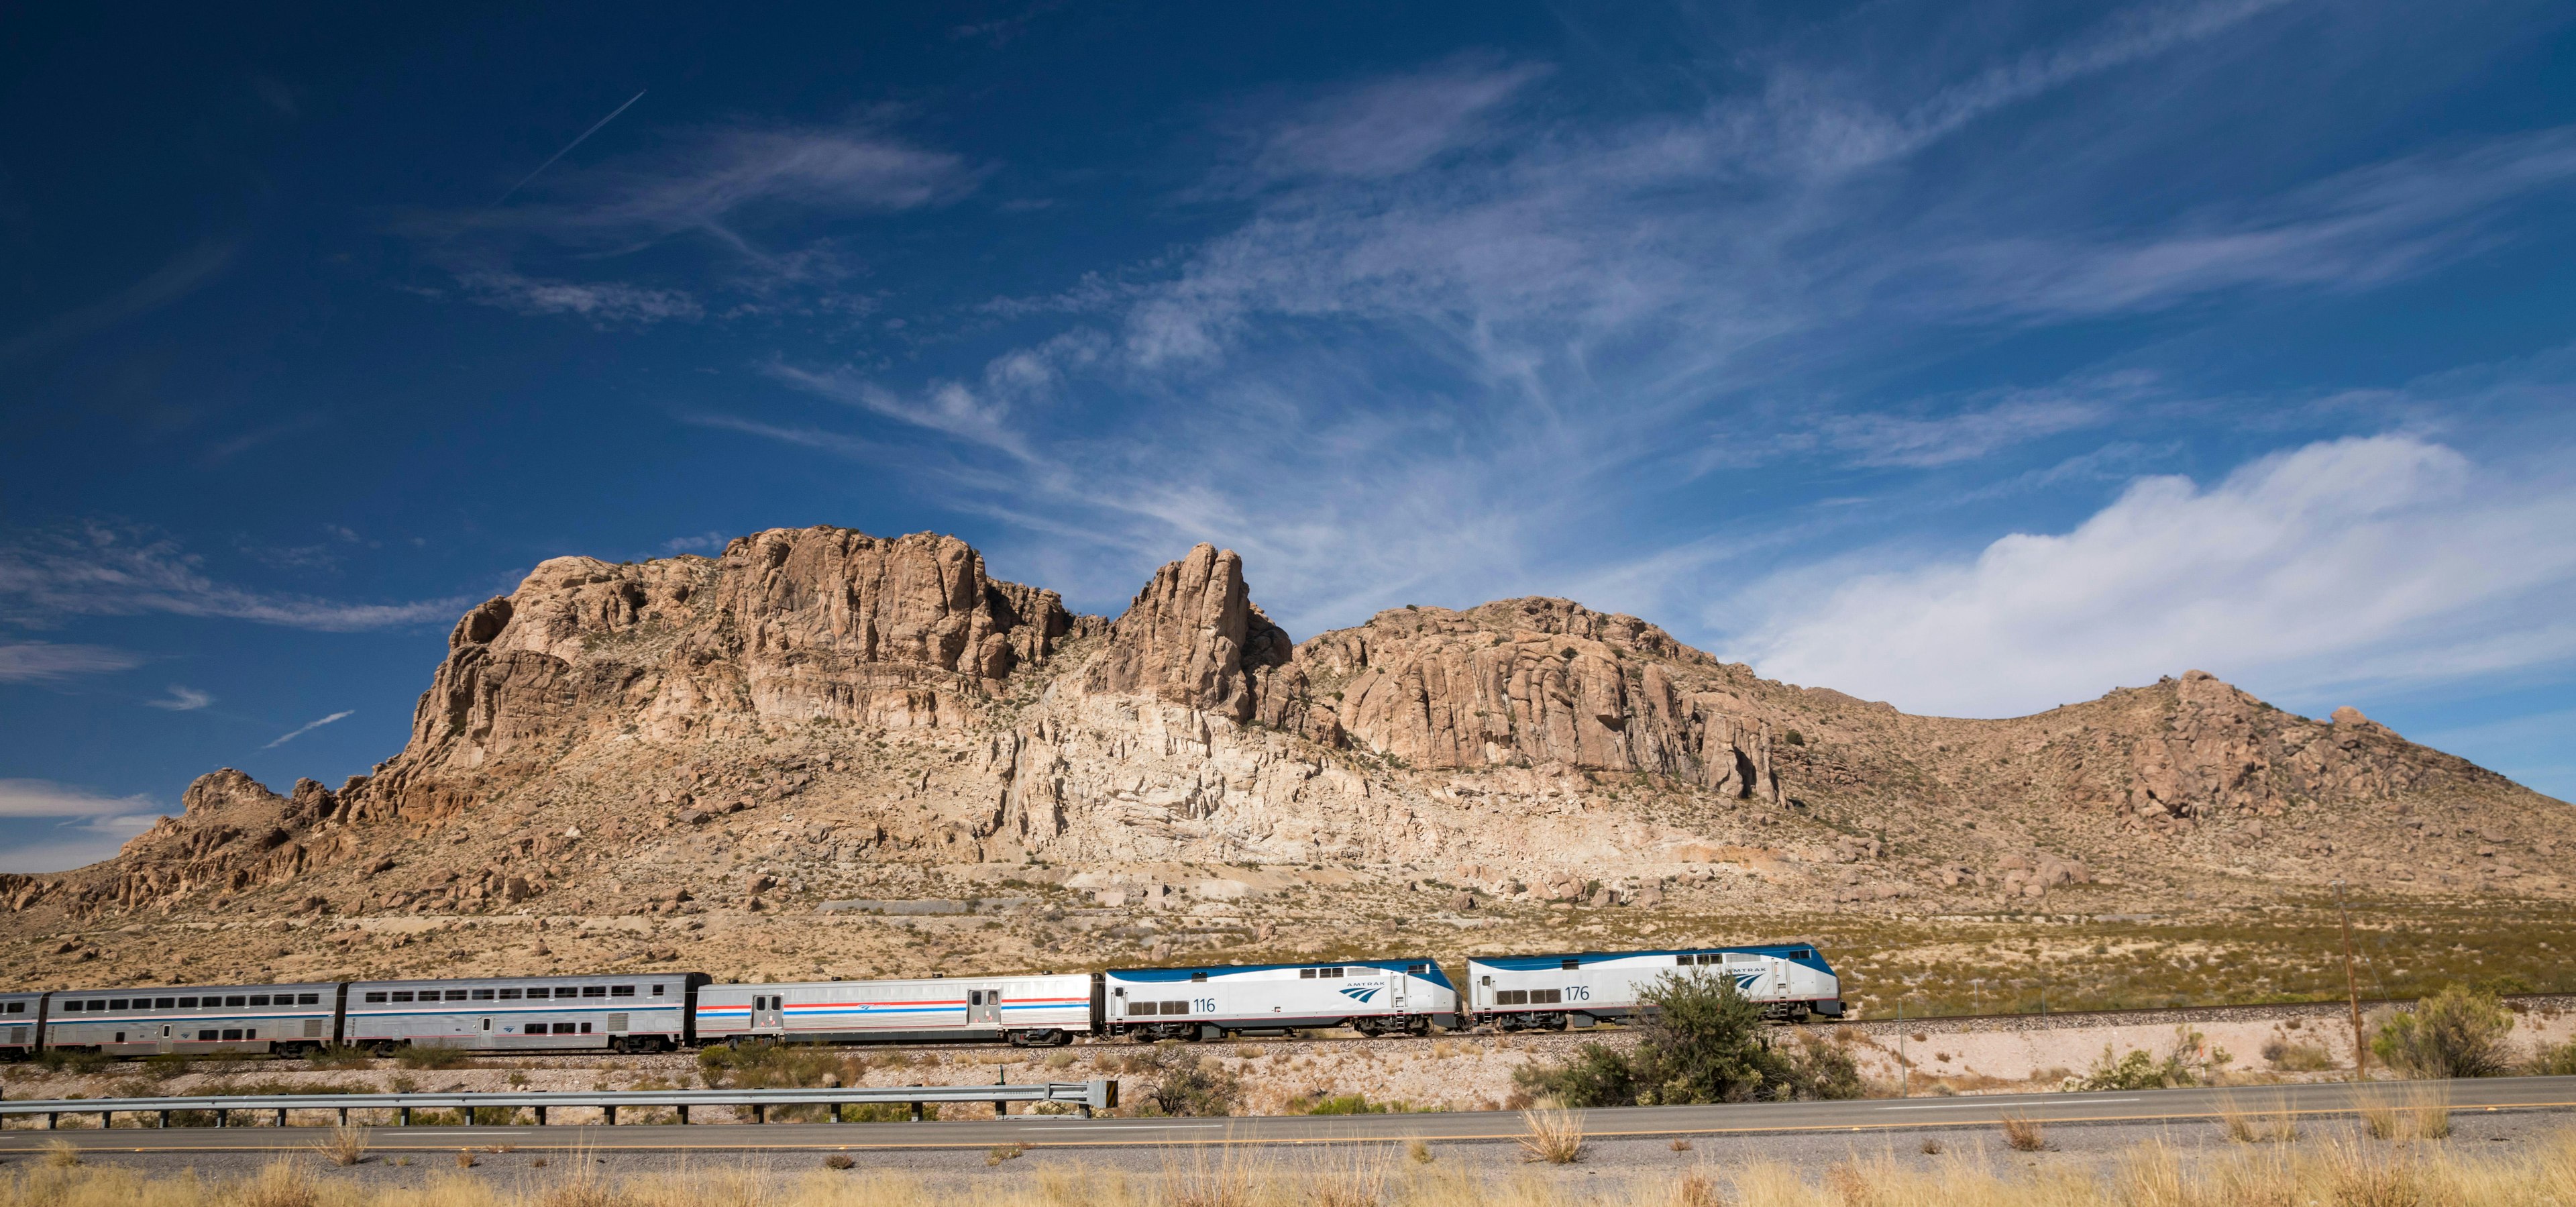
(21, 1017)
(1047, 1008)
(623, 1012)
(285, 1019)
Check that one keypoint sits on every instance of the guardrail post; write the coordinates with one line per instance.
(684, 1114)
(107, 1121)
(541, 1114)
(281, 1116)
(1001, 1106)
(223, 1118)
(760, 1112)
(344, 1116)
(916, 1112)
(469, 1113)
(52, 1121)
(404, 1115)
(165, 1118)
(611, 1108)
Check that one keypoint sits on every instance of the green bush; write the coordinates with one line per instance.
(336, 1057)
(418, 1057)
(56, 1060)
(1184, 1084)
(886, 1112)
(2556, 1062)
(764, 1065)
(1346, 1104)
(1703, 1041)
(2458, 1032)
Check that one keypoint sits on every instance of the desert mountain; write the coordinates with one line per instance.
(821, 719)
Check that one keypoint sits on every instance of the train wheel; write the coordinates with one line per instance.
(383, 1048)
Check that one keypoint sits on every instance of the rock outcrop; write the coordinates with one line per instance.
(831, 706)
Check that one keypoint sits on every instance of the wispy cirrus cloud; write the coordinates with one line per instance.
(308, 727)
(182, 699)
(87, 825)
(40, 661)
(182, 275)
(100, 570)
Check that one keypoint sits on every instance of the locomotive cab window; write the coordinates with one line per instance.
(1569, 964)
(1198, 978)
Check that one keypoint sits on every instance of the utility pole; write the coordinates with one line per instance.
(2352, 992)
(1904, 1071)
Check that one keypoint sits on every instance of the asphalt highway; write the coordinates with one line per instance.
(1045, 1131)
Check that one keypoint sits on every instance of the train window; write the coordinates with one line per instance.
(1547, 997)
(594, 991)
(233, 999)
(118, 1004)
(509, 995)
(585, 1028)
(73, 1007)
(164, 1003)
(232, 1033)
(1569, 963)
(203, 1036)
(621, 991)
(252, 1033)
(187, 1003)
(657, 991)
(456, 995)
(563, 1028)
(974, 997)
(1305, 974)
(1511, 997)
(17, 1007)
(1417, 970)
(1328, 973)
(259, 999)
(402, 995)
(1198, 978)
(1685, 960)
(482, 995)
(376, 998)
(308, 999)
(1802, 954)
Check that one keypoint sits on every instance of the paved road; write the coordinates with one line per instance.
(1870, 1115)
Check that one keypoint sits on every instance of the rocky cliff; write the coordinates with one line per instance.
(820, 712)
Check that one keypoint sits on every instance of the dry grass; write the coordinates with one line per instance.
(839, 1161)
(465, 1158)
(2415, 1111)
(2339, 1171)
(1003, 1152)
(2248, 1123)
(61, 1154)
(2022, 1134)
(1419, 1150)
(1553, 1134)
(344, 1145)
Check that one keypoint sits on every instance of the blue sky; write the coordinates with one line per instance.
(1977, 357)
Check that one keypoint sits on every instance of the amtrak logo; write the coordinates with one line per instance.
(1361, 993)
(1745, 981)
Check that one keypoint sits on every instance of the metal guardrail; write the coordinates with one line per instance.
(1085, 1095)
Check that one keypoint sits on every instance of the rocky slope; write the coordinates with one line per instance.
(821, 715)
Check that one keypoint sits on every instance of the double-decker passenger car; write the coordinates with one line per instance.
(1548, 992)
(1374, 997)
(22, 1018)
(1042, 1009)
(285, 1019)
(624, 1012)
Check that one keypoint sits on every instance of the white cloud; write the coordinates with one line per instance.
(604, 301)
(36, 661)
(103, 571)
(183, 699)
(45, 798)
(1391, 125)
(306, 728)
(2339, 564)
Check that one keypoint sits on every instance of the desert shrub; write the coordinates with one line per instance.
(2192, 1061)
(418, 1057)
(2297, 1055)
(338, 1057)
(2458, 1032)
(1346, 1104)
(764, 1065)
(886, 1112)
(2555, 1062)
(1179, 1082)
(57, 1060)
(1702, 1041)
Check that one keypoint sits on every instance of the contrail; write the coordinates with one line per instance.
(541, 168)
(307, 729)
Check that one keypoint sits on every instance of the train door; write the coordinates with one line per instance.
(984, 1009)
(1395, 986)
(166, 1046)
(768, 1015)
(1780, 977)
(1484, 990)
(483, 1032)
